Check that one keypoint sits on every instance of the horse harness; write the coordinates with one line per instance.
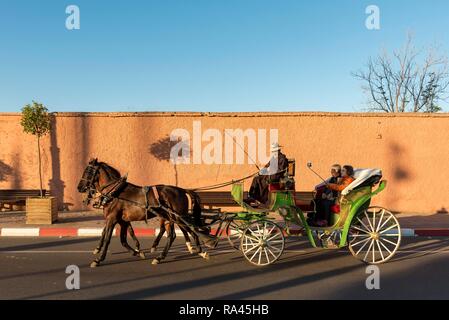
(114, 189)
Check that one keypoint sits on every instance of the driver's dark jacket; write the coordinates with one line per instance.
(282, 166)
(259, 186)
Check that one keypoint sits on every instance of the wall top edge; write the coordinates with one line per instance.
(240, 114)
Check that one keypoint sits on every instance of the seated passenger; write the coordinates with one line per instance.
(325, 201)
(346, 179)
(272, 172)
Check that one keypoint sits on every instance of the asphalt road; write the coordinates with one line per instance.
(34, 268)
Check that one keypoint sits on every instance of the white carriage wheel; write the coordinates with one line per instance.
(262, 242)
(234, 231)
(374, 236)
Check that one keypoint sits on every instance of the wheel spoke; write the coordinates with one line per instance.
(380, 220)
(266, 255)
(380, 250)
(363, 224)
(369, 222)
(271, 230)
(274, 248)
(264, 229)
(361, 230)
(252, 238)
(256, 234)
(276, 235)
(386, 248)
(258, 249)
(250, 249)
(390, 242)
(385, 222)
(361, 248)
(274, 256)
(389, 228)
(374, 251)
(367, 251)
(360, 235)
(364, 240)
(246, 245)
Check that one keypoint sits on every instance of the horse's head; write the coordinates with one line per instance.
(90, 176)
(96, 175)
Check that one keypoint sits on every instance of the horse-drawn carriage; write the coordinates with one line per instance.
(372, 234)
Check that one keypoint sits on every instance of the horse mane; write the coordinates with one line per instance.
(110, 171)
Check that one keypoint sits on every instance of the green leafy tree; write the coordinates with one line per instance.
(36, 121)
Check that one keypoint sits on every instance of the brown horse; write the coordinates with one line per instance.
(124, 202)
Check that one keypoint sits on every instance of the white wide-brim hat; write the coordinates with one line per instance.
(275, 147)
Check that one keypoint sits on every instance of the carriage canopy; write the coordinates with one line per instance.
(363, 176)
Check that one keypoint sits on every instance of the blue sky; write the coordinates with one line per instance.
(201, 55)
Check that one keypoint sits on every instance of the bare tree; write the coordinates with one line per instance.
(407, 82)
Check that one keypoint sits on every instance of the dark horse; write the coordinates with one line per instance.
(124, 202)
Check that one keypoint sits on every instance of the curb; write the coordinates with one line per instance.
(148, 232)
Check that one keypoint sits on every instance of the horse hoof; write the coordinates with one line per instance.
(153, 250)
(96, 251)
(204, 255)
(189, 247)
(155, 261)
(94, 264)
(142, 255)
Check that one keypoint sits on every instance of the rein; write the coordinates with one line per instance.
(228, 183)
(223, 184)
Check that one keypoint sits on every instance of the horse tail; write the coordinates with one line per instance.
(196, 207)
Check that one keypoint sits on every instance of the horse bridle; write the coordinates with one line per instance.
(100, 195)
(91, 173)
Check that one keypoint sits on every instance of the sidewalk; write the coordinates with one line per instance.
(90, 223)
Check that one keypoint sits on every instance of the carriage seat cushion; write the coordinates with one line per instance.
(335, 208)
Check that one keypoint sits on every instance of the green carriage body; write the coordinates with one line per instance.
(283, 202)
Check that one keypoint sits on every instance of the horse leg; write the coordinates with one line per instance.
(136, 241)
(202, 254)
(171, 237)
(159, 235)
(109, 229)
(123, 237)
(186, 236)
(100, 244)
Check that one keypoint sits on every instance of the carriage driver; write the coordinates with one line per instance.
(273, 171)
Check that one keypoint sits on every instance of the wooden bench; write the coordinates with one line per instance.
(18, 197)
(220, 199)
